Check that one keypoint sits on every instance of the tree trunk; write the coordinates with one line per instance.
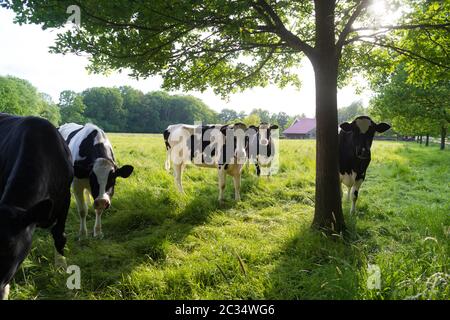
(328, 207)
(443, 135)
(420, 140)
(427, 140)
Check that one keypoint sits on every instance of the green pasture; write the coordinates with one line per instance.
(160, 244)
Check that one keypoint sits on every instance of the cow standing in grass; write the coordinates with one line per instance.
(261, 146)
(35, 176)
(214, 146)
(355, 140)
(95, 170)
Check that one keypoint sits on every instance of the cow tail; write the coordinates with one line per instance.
(166, 141)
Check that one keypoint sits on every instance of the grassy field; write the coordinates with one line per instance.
(160, 244)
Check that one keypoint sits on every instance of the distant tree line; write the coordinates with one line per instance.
(126, 109)
(123, 109)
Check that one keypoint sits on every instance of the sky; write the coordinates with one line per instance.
(24, 54)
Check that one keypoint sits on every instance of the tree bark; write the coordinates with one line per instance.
(427, 140)
(443, 136)
(420, 140)
(328, 207)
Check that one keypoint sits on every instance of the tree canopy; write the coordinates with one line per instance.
(413, 109)
(19, 97)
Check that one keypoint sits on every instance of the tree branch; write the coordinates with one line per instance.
(256, 71)
(348, 26)
(407, 53)
(406, 27)
(120, 25)
(267, 12)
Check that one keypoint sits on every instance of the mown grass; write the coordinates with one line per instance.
(160, 244)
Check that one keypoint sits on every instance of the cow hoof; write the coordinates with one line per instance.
(60, 262)
(82, 237)
(99, 235)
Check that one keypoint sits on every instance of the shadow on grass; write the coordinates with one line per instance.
(314, 266)
(138, 229)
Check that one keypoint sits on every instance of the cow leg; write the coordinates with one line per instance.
(167, 163)
(258, 170)
(237, 186)
(222, 181)
(355, 190)
(59, 237)
(5, 294)
(178, 173)
(82, 207)
(98, 224)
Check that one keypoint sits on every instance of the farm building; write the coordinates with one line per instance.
(301, 129)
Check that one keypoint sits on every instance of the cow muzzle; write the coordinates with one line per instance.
(101, 204)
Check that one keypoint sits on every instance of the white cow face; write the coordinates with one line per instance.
(235, 137)
(264, 130)
(102, 179)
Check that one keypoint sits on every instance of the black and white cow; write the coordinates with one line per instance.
(355, 140)
(214, 146)
(95, 170)
(261, 146)
(35, 176)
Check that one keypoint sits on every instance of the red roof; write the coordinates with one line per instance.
(301, 126)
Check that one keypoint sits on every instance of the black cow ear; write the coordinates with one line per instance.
(347, 127)
(224, 129)
(81, 172)
(125, 171)
(382, 127)
(39, 213)
(273, 127)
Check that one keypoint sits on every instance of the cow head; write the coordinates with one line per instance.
(102, 179)
(264, 131)
(236, 131)
(363, 130)
(16, 232)
(260, 140)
